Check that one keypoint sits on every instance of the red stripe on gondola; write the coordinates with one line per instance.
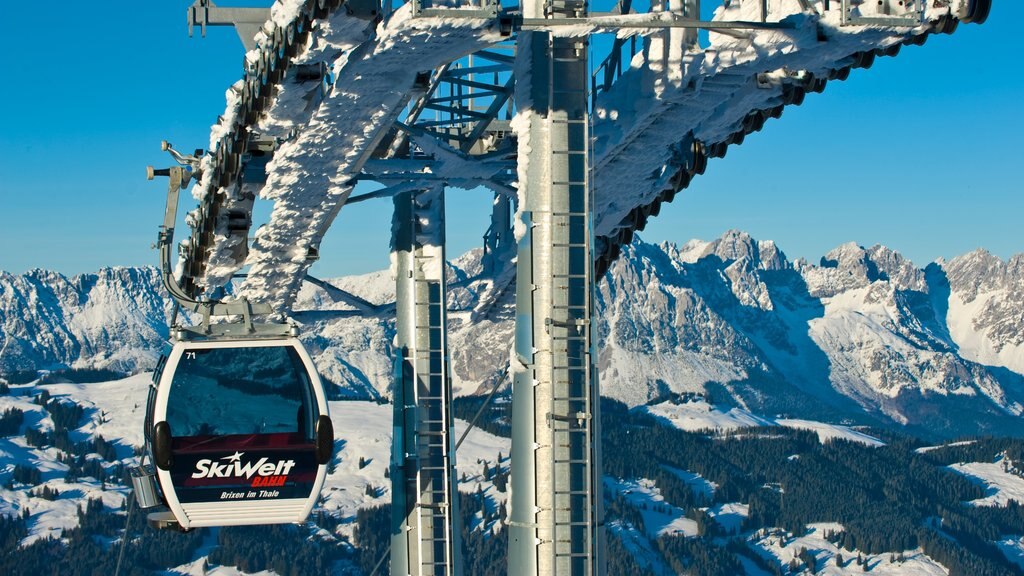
(240, 442)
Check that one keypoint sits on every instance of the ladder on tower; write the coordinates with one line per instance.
(434, 451)
(570, 414)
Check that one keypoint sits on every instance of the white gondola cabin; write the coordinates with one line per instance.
(239, 432)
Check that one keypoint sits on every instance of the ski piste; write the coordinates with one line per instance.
(330, 79)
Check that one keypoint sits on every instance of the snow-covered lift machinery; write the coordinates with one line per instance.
(236, 422)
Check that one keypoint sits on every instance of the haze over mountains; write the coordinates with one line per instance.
(865, 335)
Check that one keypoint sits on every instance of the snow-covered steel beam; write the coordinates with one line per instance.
(246, 21)
(426, 535)
(311, 176)
(668, 95)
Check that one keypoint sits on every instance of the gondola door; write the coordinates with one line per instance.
(240, 433)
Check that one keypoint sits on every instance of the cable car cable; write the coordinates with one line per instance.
(472, 424)
(487, 402)
(124, 539)
(384, 557)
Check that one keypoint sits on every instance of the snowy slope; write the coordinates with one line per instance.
(986, 308)
(115, 410)
(698, 415)
(1000, 485)
(50, 518)
(783, 547)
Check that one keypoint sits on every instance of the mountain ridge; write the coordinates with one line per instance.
(863, 333)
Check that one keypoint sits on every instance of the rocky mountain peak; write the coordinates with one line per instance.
(851, 266)
(733, 245)
(736, 245)
(891, 266)
(976, 272)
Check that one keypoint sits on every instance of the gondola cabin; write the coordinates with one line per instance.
(239, 432)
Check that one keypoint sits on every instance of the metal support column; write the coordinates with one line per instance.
(425, 511)
(499, 238)
(556, 525)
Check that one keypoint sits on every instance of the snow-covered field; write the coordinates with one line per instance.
(1013, 548)
(659, 516)
(696, 482)
(828, 432)
(927, 449)
(1000, 486)
(782, 547)
(639, 546)
(730, 516)
(698, 415)
(50, 517)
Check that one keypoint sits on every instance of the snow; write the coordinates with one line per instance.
(48, 518)
(880, 349)
(730, 516)
(827, 432)
(971, 339)
(782, 547)
(700, 485)
(926, 449)
(195, 568)
(1000, 486)
(698, 415)
(310, 177)
(660, 517)
(363, 430)
(639, 547)
(1013, 548)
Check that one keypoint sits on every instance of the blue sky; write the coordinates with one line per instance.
(920, 153)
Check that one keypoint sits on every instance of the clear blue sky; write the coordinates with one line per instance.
(920, 153)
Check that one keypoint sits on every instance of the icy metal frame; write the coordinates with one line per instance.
(912, 15)
(557, 450)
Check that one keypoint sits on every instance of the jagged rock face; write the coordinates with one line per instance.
(986, 307)
(865, 332)
(113, 319)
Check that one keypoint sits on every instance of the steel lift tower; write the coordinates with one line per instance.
(556, 513)
(556, 523)
(425, 504)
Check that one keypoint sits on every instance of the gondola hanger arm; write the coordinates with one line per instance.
(178, 179)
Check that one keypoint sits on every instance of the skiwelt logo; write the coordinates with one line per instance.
(266, 473)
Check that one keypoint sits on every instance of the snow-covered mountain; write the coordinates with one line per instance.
(863, 334)
(113, 319)
(865, 329)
